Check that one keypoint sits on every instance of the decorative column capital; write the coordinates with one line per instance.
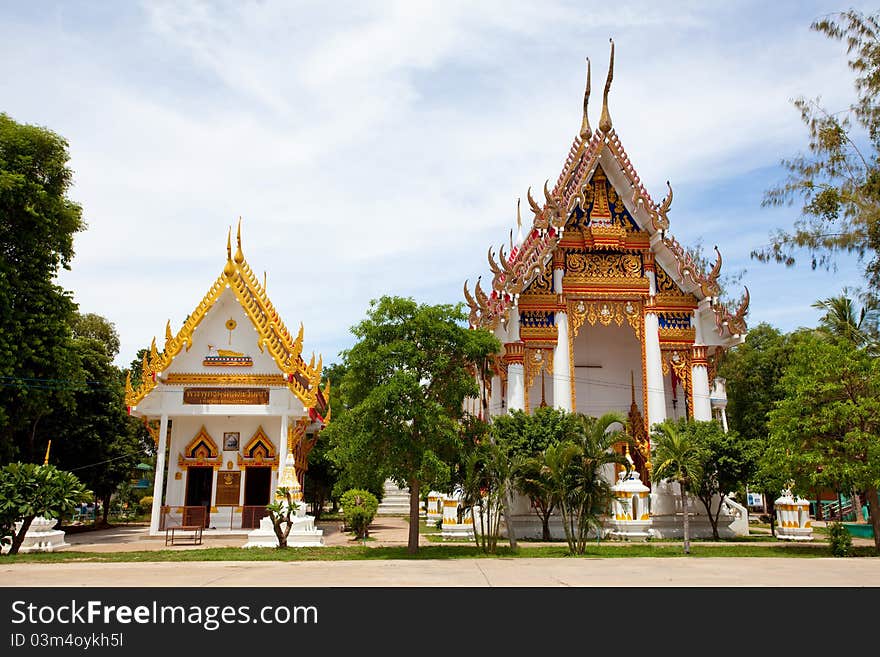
(699, 356)
(514, 352)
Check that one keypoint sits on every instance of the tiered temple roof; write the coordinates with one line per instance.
(556, 219)
(274, 338)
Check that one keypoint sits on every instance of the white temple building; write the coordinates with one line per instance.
(227, 399)
(599, 309)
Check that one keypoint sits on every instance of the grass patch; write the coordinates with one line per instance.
(449, 551)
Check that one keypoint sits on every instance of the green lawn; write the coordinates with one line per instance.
(458, 551)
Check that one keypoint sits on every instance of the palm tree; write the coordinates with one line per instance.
(576, 471)
(678, 457)
(843, 321)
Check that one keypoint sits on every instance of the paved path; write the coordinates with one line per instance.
(385, 531)
(457, 572)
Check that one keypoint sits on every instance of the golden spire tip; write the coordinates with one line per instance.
(586, 131)
(605, 119)
(239, 256)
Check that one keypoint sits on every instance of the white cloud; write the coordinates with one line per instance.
(377, 148)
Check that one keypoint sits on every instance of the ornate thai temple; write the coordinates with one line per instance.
(233, 404)
(600, 309)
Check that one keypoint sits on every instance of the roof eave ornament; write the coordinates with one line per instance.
(605, 118)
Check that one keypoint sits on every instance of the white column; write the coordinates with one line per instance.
(724, 419)
(656, 410)
(562, 365)
(159, 479)
(654, 369)
(700, 387)
(700, 369)
(516, 399)
(561, 355)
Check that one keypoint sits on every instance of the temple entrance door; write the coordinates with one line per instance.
(256, 486)
(257, 482)
(199, 484)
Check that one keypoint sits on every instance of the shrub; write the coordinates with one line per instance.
(146, 504)
(359, 507)
(840, 540)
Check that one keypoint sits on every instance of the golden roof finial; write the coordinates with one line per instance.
(518, 214)
(264, 280)
(239, 256)
(229, 268)
(605, 119)
(586, 131)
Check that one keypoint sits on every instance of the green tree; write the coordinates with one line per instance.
(97, 439)
(577, 473)
(281, 512)
(844, 320)
(838, 181)
(527, 436)
(37, 225)
(406, 379)
(359, 507)
(753, 371)
(27, 491)
(487, 469)
(678, 457)
(826, 429)
(727, 463)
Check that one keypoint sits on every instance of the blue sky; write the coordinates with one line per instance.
(379, 148)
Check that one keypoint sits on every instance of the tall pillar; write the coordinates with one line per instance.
(700, 370)
(159, 479)
(700, 383)
(562, 352)
(654, 371)
(516, 389)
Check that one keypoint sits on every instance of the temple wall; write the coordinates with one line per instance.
(184, 429)
(607, 387)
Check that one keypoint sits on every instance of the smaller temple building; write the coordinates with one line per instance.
(229, 401)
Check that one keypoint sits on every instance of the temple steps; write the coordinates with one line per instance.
(395, 501)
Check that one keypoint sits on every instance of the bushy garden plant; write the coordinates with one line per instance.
(840, 540)
(359, 507)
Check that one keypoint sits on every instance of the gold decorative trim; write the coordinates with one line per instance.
(514, 352)
(679, 361)
(179, 379)
(265, 457)
(677, 335)
(605, 312)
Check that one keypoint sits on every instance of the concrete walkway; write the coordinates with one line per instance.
(385, 531)
(710, 572)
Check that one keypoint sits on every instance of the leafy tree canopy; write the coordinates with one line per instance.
(405, 381)
(837, 182)
(37, 225)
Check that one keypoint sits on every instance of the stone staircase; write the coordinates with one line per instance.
(395, 501)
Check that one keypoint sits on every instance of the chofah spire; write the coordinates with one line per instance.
(519, 232)
(586, 130)
(239, 255)
(605, 119)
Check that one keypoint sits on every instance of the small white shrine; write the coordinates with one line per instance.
(631, 512)
(303, 532)
(457, 521)
(41, 536)
(793, 518)
(226, 400)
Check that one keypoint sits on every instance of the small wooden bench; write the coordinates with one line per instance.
(195, 532)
